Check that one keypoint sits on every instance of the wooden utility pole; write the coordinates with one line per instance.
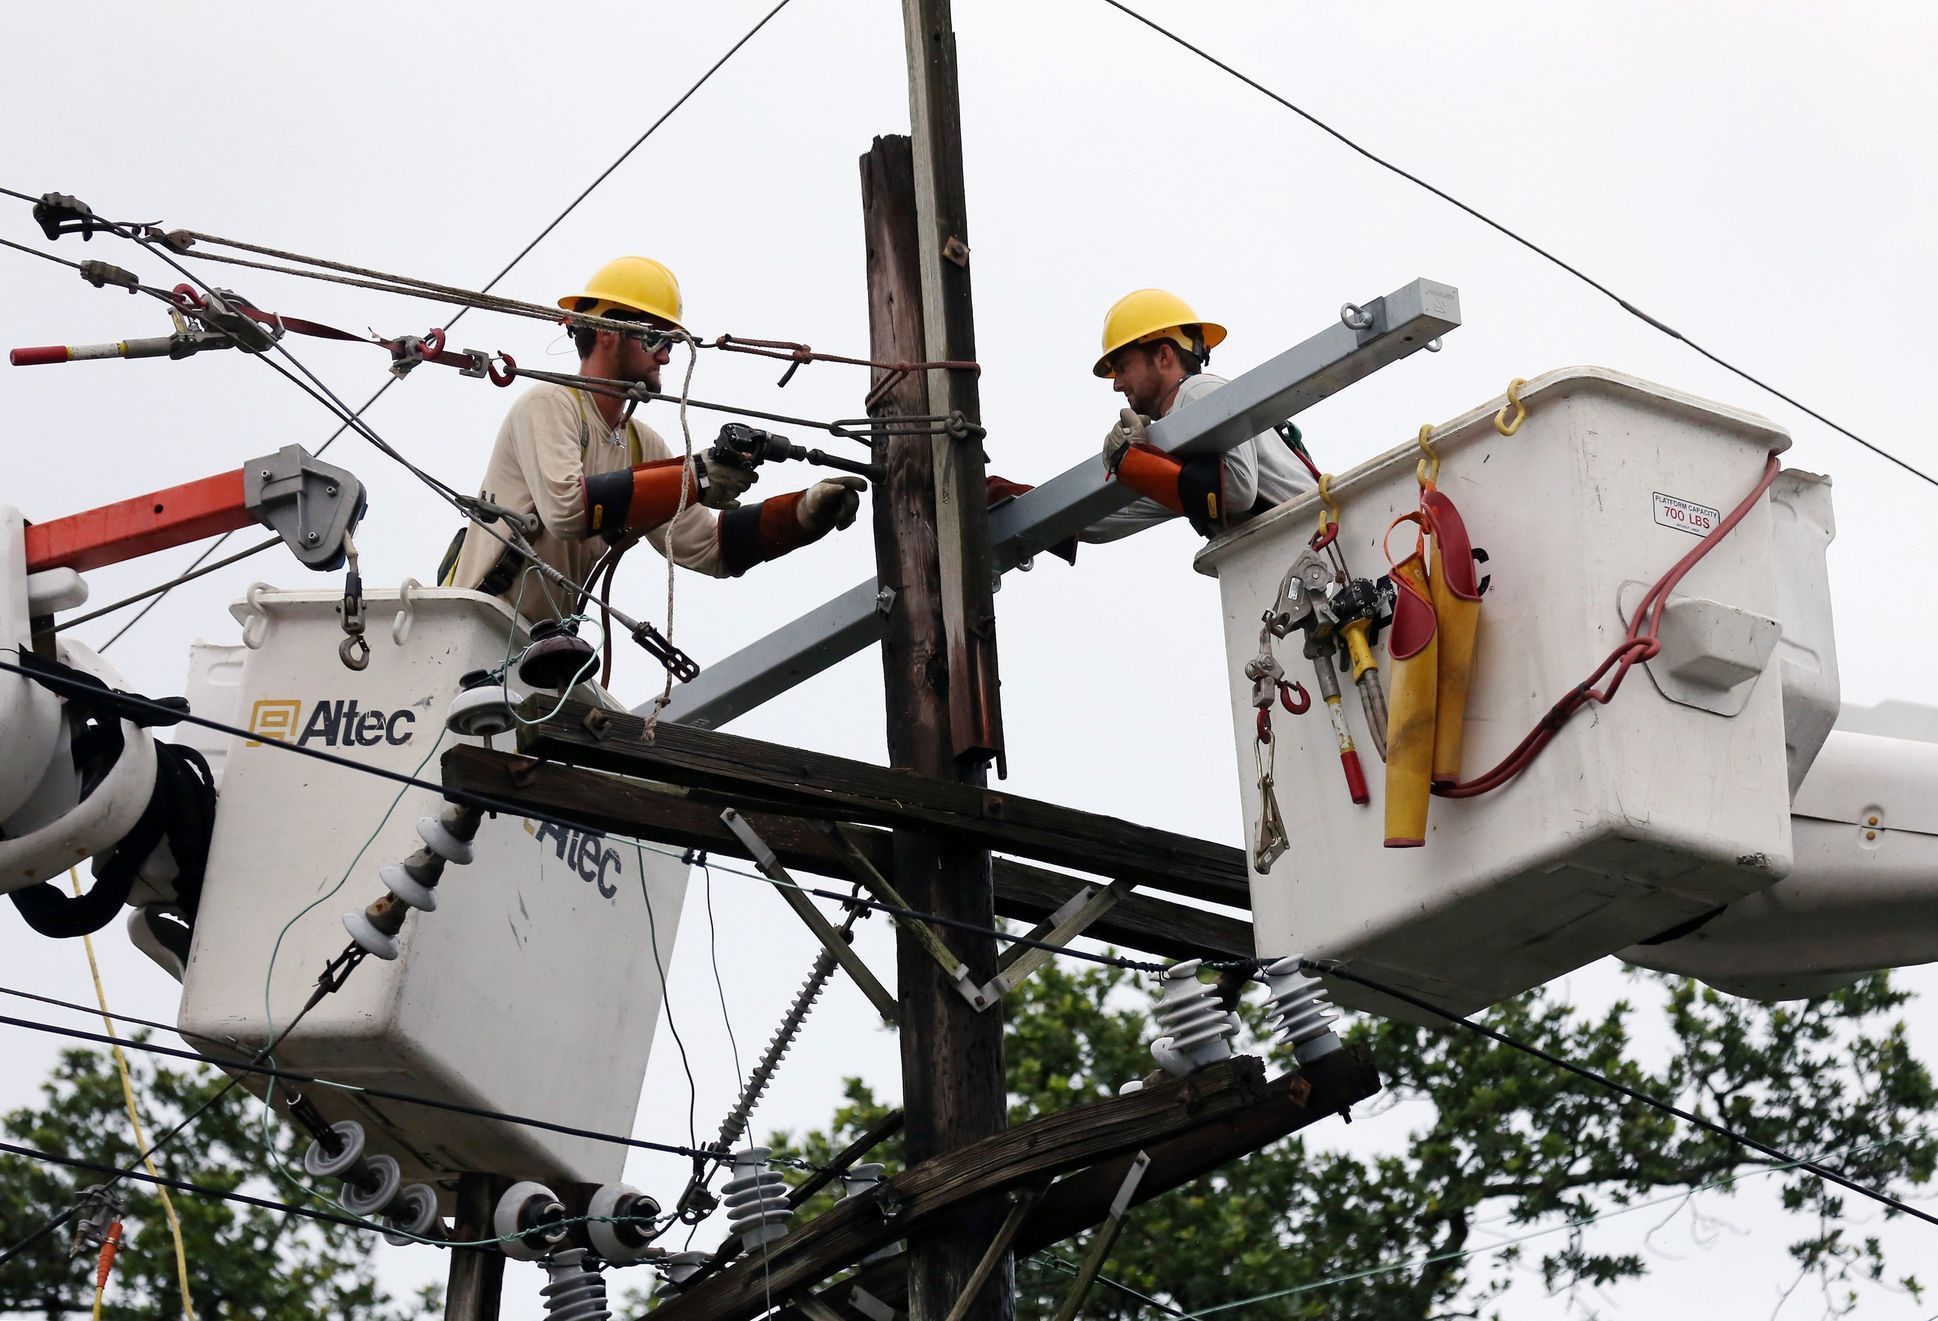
(476, 1281)
(949, 335)
(953, 1082)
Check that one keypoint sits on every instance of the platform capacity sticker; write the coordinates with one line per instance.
(1686, 515)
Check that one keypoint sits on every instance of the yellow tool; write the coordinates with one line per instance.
(1413, 643)
(1456, 607)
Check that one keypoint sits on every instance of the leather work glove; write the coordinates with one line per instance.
(723, 483)
(830, 504)
(1129, 429)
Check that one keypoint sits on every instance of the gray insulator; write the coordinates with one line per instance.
(319, 1164)
(367, 937)
(398, 880)
(413, 1215)
(1301, 1015)
(371, 1187)
(860, 1178)
(440, 838)
(1197, 1028)
(676, 1270)
(756, 1200)
(576, 1291)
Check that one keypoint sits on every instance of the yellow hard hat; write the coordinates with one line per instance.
(1154, 314)
(636, 284)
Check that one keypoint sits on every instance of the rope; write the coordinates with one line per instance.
(679, 510)
(134, 1122)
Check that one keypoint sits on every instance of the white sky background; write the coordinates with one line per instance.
(1755, 174)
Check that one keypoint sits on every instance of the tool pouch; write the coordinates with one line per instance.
(1413, 643)
(1456, 608)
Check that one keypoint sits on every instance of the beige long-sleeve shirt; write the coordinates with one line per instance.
(551, 440)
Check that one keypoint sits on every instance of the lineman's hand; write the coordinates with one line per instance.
(725, 482)
(1129, 429)
(830, 504)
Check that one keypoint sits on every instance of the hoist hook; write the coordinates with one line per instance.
(505, 376)
(1286, 690)
(1422, 473)
(1514, 405)
(354, 652)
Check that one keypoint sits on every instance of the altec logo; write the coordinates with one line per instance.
(333, 723)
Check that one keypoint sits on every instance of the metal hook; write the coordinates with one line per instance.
(1355, 317)
(1286, 690)
(1423, 474)
(354, 652)
(1433, 345)
(1514, 404)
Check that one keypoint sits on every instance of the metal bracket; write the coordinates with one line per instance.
(1059, 928)
(1022, 1202)
(312, 505)
(1100, 1246)
(790, 890)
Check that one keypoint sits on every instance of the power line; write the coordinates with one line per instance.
(200, 1189)
(1329, 969)
(1462, 1254)
(194, 572)
(556, 221)
(355, 1089)
(488, 803)
(1525, 242)
(332, 977)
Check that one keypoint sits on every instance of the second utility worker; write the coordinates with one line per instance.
(1155, 351)
(596, 478)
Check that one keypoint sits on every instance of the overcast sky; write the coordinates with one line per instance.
(1754, 174)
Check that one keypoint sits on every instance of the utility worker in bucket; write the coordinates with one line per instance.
(598, 479)
(1155, 350)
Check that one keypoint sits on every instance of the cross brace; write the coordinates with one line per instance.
(1401, 323)
(798, 782)
(663, 812)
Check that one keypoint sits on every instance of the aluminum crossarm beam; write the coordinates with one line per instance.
(1396, 326)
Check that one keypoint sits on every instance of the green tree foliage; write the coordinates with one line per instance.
(1496, 1142)
(243, 1261)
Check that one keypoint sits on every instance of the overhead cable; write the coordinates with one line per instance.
(1330, 969)
(297, 1076)
(332, 977)
(1463, 1254)
(489, 285)
(1527, 243)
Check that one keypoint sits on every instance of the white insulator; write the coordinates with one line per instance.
(1301, 1015)
(756, 1200)
(620, 1243)
(440, 839)
(370, 940)
(526, 1220)
(320, 1164)
(369, 1189)
(413, 1216)
(676, 1270)
(480, 712)
(398, 880)
(576, 1291)
(1197, 1028)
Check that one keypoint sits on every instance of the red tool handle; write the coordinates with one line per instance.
(1355, 777)
(38, 357)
